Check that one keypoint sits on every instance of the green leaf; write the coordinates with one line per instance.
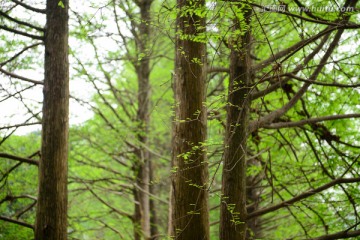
(61, 4)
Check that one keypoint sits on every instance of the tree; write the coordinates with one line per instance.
(122, 107)
(51, 215)
(51, 219)
(142, 166)
(266, 101)
(189, 197)
(233, 194)
(276, 114)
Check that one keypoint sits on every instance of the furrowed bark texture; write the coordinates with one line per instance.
(253, 198)
(141, 194)
(233, 202)
(189, 198)
(51, 215)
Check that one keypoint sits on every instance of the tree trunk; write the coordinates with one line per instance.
(51, 215)
(253, 197)
(142, 200)
(233, 202)
(153, 216)
(141, 191)
(189, 197)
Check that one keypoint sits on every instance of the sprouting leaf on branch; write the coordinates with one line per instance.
(61, 4)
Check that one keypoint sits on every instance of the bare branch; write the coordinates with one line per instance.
(38, 10)
(21, 33)
(293, 49)
(303, 196)
(339, 235)
(18, 222)
(26, 209)
(21, 22)
(310, 121)
(21, 77)
(20, 159)
(20, 125)
(308, 12)
(19, 53)
(339, 85)
(12, 198)
(299, 67)
(218, 70)
(281, 111)
(313, 20)
(108, 205)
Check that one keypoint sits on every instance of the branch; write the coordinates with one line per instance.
(310, 121)
(20, 125)
(21, 33)
(18, 222)
(296, 47)
(281, 111)
(152, 196)
(20, 159)
(308, 12)
(19, 53)
(21, 22)
(313, 20)
(12, 198)
(38, 10)
(302, 196)
(293, 49)
(339, 235)
(26, 209)
(108, 205)
(334, 84)
(21, 77)
(218, 70)
(299, 67)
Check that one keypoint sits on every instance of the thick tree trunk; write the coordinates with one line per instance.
(51, 215)
(189, 197)
(233, 202)
(142, 168)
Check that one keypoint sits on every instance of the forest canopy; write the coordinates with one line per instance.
(179, 119)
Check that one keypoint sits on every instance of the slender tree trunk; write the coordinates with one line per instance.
(233, 202)
(51, 215)
(189, 197)
(142, 200)
(153, 215)
(141, 191)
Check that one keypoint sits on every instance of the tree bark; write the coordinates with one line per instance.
(153, 215)
(189, 217)
(233, 202)
(142, 168)
(253, 198)
(51, 215)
